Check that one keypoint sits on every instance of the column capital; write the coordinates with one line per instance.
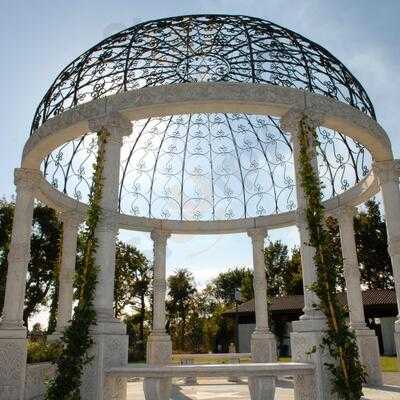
(257, 234)
(71, 218)
(290, 121)
(386, 171)
(117, 125)
(159, 236)
(28, 179)
(344, 214)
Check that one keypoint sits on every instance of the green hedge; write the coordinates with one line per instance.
(42, 352)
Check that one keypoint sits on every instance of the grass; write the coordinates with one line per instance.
(389, 364)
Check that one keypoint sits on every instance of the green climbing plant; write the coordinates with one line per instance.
(347, 372)
(77, 339)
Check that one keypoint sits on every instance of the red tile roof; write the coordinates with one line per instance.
(371, 297)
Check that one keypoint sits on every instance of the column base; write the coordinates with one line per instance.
(110, 349)
(157, 388)
(306, 340)
(397, 340)
(12, 361)
(262, 388)
(263, 347)
(368, 349)
(159, 349)
(263, 350)
(159, 352)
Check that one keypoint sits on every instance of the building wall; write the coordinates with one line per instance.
(387, 330)
(245, 332)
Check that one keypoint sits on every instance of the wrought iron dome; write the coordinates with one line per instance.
(198, 48)
(204, 166)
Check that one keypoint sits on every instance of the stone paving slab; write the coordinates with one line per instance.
(218, 389)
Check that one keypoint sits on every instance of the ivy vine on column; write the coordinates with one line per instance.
(347, 372)
(77, 340)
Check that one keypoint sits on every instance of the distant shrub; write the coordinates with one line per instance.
(39, 351)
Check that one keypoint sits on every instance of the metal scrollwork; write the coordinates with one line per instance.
(208, 166)
(201, 48)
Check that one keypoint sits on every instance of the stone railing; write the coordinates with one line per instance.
(36, 377)
(190, 359)
(261, 377)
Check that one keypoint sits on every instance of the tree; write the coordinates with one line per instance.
(223, 287)
(181, 289)
(132, 278)
(283, 273)
(371, 241)
(132, 286)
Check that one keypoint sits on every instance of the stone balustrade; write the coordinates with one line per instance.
(189, 359)
(261, 377)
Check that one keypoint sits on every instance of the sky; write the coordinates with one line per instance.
(39, 38)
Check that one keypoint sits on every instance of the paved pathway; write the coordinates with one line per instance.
(209, 389)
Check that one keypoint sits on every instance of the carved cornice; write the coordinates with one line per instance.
(117, 125)
(387, 171)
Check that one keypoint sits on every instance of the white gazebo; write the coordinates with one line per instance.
(203, 116)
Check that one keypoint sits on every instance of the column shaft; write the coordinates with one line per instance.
(259, 280)
(351, 268)
(159, 280)
(107, 229)
(19, 254)
(367, 342)
(291, 123)
(67, 270)
(389, 183)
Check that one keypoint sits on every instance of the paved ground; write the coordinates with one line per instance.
(209, 389)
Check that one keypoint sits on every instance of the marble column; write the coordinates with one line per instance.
(290, 123)
(70, 224)
(12, 331)
(367, 341)
(159, 345)
(308, 332)
(110, 347)
(263, 342)
(388, 173)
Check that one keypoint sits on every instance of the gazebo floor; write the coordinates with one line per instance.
(208, 389)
